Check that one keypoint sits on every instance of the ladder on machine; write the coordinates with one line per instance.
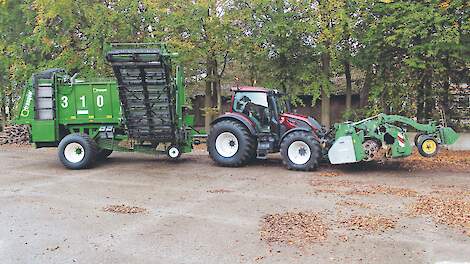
(43, 84)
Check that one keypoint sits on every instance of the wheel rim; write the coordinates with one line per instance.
(299, 152)
(429, 146)
(74, 152)
(226, 144)
(173, 152)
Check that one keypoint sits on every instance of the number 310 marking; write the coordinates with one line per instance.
(100, 101)
(65, 101)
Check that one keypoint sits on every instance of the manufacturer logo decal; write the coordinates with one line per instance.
(27, 104)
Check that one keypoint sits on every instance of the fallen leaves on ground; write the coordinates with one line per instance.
(370, 223)
(293, 228)
(445, 159)
(123, 209)
(383, 189)
(359, 188)
(450, 211)
(451, 191)
(330, 174)
(354, 203)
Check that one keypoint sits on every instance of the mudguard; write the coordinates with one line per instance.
(239, 117)
(299, 129)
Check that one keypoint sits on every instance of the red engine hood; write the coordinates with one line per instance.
(296, 116)
(291, 124)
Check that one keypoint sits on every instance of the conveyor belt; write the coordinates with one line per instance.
(146, 93)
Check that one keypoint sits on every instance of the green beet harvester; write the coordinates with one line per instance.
(144, 111)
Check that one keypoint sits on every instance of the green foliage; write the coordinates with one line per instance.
(414, 49)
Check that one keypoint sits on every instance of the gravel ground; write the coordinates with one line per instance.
(140, 209)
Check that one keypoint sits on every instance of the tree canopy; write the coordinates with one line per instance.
(406, 55)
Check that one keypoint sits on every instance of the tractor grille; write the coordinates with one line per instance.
(146, 93)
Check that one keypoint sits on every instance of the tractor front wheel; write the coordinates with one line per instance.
(428, 146)
(300, 151)
(231, 144)
(77, 151)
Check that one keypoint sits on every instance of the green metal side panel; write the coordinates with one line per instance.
(43, 131)
(93, 102)
(25, 107)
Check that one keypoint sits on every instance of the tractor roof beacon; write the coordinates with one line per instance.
(260, 122)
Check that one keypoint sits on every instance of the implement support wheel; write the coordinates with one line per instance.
(428, 146)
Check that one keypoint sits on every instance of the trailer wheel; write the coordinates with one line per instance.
(173, 152)
(300, 151)
(103, 154)
(77, 151)
(231, 144)
(428, 146)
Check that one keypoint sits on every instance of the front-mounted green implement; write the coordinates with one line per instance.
(142, 110)
(383, 136)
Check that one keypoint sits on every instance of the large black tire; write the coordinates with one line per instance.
(298, 161)
(103, 154)
(428, 146)
(418, 138)
(245, 149)
(77, 151)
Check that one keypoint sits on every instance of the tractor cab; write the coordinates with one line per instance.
(263, 107)
(260, 122)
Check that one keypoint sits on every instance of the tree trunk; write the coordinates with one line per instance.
(217, 99)
(208, 97)
(10, 107)
(2, 112)
(445, 97)
(420, 103)
(219, 95)
(347, 73)
(429, 100)
(421, 98)
(325, 96)
(364, 101)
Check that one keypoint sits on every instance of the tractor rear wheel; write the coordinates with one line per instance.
(300, 151)
(231, 144)
(428, 146)
(77, 151)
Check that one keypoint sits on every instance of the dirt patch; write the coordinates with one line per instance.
(334, 183)
(445, 159)
(354, 203)
(294, 228)
(219, 191)
(124, 209)
(452, 212)
(369, 223)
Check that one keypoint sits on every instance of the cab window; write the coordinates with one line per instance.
(255, 106)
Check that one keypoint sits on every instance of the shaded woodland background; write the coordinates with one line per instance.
(401, 57)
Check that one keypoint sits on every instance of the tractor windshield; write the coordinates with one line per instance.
(255, 106)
